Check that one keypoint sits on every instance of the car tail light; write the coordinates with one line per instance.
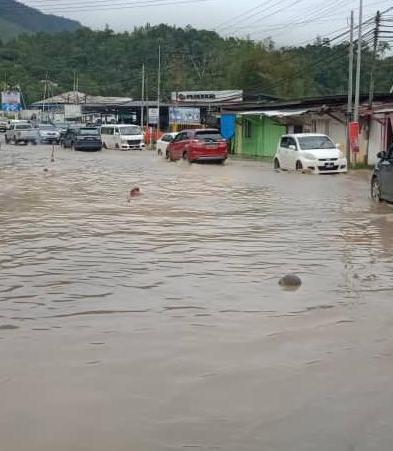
(196, 142)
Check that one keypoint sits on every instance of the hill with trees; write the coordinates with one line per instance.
(17, 18)
(110, 63)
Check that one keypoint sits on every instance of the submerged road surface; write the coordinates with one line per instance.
(160, 324)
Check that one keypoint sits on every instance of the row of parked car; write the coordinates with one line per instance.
(307, 152)
(76, 136)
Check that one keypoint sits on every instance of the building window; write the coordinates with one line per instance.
(248, 129)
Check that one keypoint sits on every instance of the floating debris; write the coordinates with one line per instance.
(290, 281)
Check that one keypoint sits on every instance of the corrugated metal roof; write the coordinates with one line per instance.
(76, 97)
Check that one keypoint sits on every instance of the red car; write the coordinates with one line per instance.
(198, 145)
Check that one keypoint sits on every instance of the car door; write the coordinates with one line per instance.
(163, 142)
(172, 147)
(108, 137)
(283, 152)
(292, 153)
(179, 145)
(66, 138)
(386, 177)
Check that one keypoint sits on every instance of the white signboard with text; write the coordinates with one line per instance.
(153, 116)
(207, 96)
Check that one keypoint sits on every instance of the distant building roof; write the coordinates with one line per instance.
(76, 97)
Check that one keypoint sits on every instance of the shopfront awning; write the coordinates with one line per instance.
(274, 113)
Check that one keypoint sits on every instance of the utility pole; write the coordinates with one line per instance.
(374, 62)
(45, 94)
(358, 65)
(372, 81)
(158, 89)
(143, 97)
(350, 88)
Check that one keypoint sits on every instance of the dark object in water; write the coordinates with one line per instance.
(46, 170)
(290, 281)
(135, 192)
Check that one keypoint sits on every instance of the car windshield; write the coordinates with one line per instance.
(315, 142)
(46, 127)
(208, 136)
(88, 132)
(23, 127)
(131, 130)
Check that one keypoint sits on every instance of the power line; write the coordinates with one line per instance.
(106, 5)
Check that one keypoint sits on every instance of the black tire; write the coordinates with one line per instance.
(299, 166)
(185, 155)
(276, 164)
(375, 190)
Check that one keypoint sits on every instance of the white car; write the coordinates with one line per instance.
(123, 137)
(163, 143)
(310, 152)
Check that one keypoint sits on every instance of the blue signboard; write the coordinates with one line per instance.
(228, 126)
(10, 101)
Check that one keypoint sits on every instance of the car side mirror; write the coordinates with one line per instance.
(382, 155)
(292, 147)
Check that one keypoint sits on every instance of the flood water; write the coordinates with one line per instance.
(160, 324)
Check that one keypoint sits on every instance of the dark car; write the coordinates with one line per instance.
(82, 138)
(382, 178)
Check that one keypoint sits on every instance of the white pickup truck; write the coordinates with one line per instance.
(21, 133)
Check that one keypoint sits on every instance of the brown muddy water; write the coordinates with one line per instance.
(161, 325)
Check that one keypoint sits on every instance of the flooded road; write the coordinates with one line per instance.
(160, 325)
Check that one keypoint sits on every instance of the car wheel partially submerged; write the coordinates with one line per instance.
(299, 166)
(375, 190)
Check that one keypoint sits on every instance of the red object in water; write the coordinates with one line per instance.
(198, 145)
(135, 192)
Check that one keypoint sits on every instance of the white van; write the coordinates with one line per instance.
(123, 137)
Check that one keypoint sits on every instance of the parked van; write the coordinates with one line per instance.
(123, 137)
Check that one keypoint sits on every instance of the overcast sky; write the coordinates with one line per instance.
(286, 21)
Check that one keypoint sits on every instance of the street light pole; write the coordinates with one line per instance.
(143, 97)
